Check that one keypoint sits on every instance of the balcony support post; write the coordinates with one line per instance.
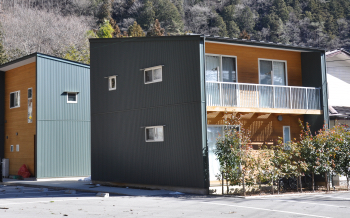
(257, 96)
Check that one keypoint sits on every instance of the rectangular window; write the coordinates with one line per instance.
(220, 68)
(72, 97)
(153, 74)
(14, 99)
(17, 148)
(11, 148)
(30, 105)
(272, 72)
(154, 134)
(286, 134)
(112, 83)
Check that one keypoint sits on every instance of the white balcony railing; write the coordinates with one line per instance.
(262, 96)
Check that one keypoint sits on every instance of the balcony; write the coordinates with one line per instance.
(244, 97)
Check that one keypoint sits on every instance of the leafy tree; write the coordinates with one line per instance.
(116, 33)
(156, 29)
(105, 30)
(235, 154)
(232, 29)
(244, 35)
(135, 30)
(147, 15)
(245, 20)
(104, 12)
(167, 13)
(220, 25)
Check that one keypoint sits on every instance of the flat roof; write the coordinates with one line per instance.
(217, 39)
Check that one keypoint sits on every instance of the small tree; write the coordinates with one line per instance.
(234, 153)
(116, 33)
(135, 30)
(309, 151)
(156, 29)
(105, 30)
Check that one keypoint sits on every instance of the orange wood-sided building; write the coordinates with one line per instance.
(270, 86)
(45, 116)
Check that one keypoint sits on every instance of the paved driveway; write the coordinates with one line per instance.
(32, 202)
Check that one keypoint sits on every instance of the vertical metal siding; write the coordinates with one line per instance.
(2, 115)
(118, 147)
(313, 75)
(204, 114)
(63, 129)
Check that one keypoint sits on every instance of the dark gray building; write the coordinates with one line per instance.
(150, 102)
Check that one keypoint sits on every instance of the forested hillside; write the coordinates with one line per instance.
(62, 27)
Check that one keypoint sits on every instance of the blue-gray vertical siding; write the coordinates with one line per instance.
(2, 114)
(63, 129)
(119, 151)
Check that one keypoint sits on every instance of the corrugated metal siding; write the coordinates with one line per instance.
(63, 129)
(2, 114)
(119, 150)
(125, 59)
(314, 75)
(120, 153)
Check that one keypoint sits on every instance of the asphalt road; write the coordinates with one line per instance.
(32, 202)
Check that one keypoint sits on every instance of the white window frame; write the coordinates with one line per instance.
(153, 68)
(284, 138)
(272, 60)
(17, 148)
(153, 127)
(76, 98)
(220, 67)
(110, 84)
(11, 148)
(19, 99)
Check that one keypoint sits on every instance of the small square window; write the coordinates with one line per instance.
(153, 74)
(154, 134)
(11, 148)
(14, 99)
(112, 83)
(17, 148)
(72, 97)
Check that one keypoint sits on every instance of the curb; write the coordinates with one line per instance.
(58, 188)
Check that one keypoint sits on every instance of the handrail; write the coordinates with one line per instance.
(264, 85)
(262, 96)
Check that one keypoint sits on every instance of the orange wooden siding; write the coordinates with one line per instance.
(247, 61)
(20, 79)
(264, 128)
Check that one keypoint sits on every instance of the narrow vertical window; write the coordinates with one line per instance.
(286, 134)
(17, 148)
(30, 105)
(11, 148)
(112, 83)
(15, 99)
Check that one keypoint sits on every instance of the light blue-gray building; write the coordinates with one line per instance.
(47, 116)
